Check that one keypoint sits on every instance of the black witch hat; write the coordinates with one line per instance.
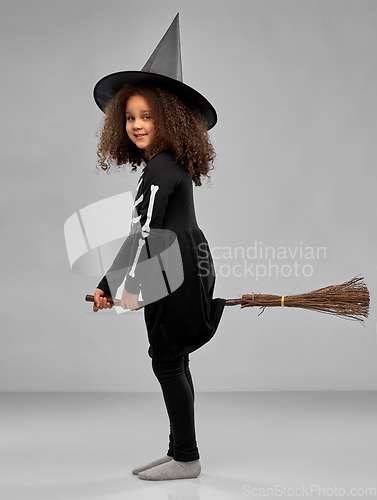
(163, 69)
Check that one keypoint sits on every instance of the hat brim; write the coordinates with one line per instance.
(108, 86)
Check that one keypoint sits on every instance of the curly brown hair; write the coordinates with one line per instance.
(179, 127)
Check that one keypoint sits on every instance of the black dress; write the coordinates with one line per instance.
(167, 258)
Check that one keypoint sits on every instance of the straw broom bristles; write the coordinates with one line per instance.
(348, 300)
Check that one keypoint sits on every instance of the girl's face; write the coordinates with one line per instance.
(139, 123)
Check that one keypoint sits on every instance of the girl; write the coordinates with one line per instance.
(152, 124)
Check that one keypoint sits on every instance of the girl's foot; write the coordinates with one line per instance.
(172, 470)
(160, 461)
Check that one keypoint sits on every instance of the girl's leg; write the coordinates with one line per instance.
(170, 452)
(178, 392)
(186, 361)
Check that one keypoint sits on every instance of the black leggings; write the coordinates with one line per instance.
(178, 391)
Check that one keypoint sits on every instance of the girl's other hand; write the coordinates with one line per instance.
(129, 301)
(100, 300)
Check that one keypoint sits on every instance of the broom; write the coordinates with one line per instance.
(350, 300)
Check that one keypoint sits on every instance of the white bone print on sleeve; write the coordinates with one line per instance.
(146, 229)
(136, 218)
(139, 200)
(141, 243)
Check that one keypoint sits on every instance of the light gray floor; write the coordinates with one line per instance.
(252, 445)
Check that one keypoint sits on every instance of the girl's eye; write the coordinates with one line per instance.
(128, 118)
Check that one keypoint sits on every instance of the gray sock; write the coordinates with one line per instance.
(160, 461)
(172, 470)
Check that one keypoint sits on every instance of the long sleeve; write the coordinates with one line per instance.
(157, 184)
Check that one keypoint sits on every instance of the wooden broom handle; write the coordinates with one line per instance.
(116, 302)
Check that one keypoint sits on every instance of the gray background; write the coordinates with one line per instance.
(294, 83)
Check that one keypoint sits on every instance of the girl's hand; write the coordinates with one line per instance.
(100, 300)
(129, 301)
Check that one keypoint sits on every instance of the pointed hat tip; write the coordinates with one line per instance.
(166, 58)
(176, 19)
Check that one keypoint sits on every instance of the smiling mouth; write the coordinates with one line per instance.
(140, 136)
